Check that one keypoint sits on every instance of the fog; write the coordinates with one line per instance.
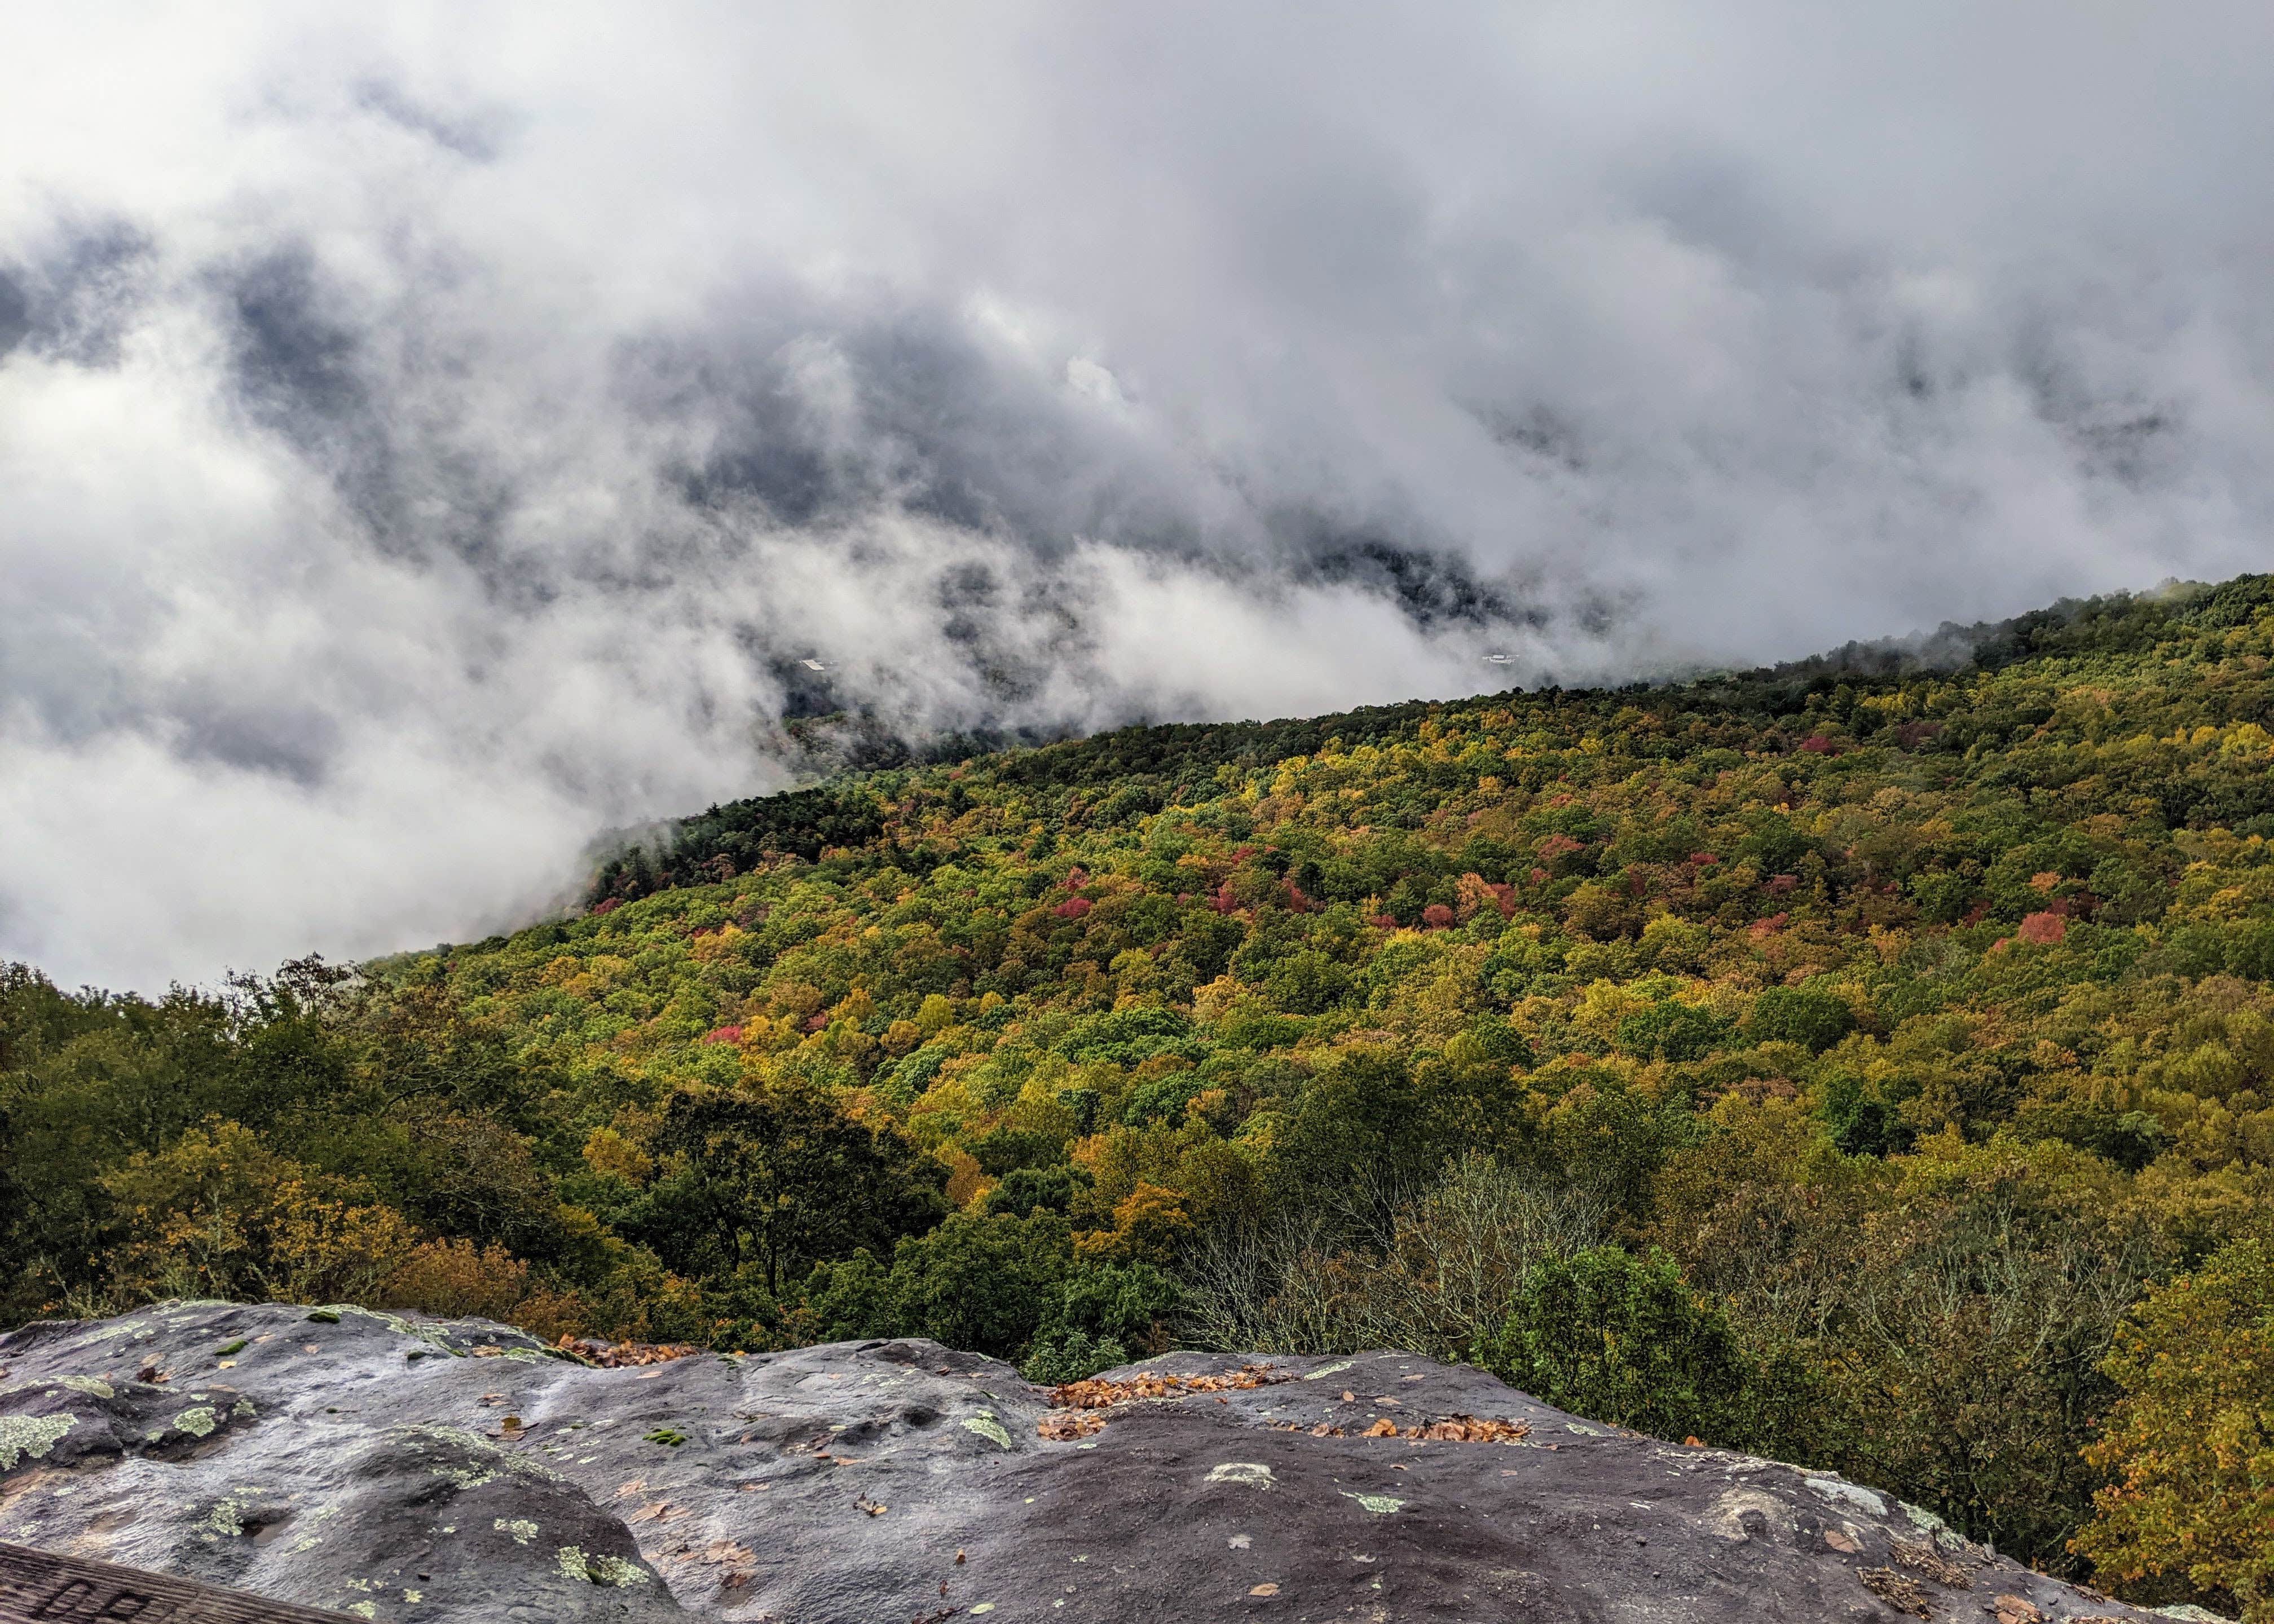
(431, 437)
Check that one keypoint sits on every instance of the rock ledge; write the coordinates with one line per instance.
(450, 1472)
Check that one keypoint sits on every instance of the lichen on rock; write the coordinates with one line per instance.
(27, 1438)
(987, 1427)
(612, 1570)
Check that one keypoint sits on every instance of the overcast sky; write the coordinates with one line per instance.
(428, 436)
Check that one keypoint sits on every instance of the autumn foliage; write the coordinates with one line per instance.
(1868, 1062)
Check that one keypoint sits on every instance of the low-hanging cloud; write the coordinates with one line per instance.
(432, 438)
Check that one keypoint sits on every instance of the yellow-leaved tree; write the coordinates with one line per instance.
(217, 1213)
(2191, 1444)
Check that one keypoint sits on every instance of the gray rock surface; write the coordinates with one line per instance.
(429, 1471)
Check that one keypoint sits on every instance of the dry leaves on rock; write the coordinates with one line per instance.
(1064, 1429)
(614, 1356)
(1924, 1558)
(1097, 1393)
(1901, 1593)
(1452, 1430)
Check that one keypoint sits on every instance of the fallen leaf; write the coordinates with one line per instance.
(1839, 1539)
(1904, 1595)
(1264, 1590)
(1097, 1394)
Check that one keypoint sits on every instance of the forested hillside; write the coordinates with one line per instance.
(1863, 1063)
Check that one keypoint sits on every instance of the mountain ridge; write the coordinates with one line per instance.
(1868, 1067)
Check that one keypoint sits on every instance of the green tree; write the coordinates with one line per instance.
(1362, 1137)
(778, 1174)
(1622, 1339)
(1810, 1017)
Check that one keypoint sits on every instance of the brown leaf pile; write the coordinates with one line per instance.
(1452, 1430)
(1924, 1558)
(1064, 1429)
(1902, 1594)
(615, 1356)
(1100, 1394)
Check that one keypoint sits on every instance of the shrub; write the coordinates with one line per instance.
(1074, 1357)
(453, 1279)
(1621, 1339)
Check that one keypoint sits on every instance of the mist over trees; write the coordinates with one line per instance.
(1868, 1063)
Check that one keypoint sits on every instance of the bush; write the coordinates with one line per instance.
(982, 1282)
(1622, 1339)
(1074, 1357)
(1123, 1304)
(453, 1279)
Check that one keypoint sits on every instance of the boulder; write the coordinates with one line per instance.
(451, 1472)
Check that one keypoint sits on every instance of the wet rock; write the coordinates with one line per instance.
(431, 1472)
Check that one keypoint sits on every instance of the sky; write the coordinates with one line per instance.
(431, 437)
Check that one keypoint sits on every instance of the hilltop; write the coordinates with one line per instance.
(1865, 1062)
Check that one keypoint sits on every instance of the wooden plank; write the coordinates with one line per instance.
(40, 1587)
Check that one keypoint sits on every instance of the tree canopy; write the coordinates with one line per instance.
(1870, 1060)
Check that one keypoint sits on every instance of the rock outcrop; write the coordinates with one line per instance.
(427, 1471)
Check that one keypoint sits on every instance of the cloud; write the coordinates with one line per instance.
(433, 437)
